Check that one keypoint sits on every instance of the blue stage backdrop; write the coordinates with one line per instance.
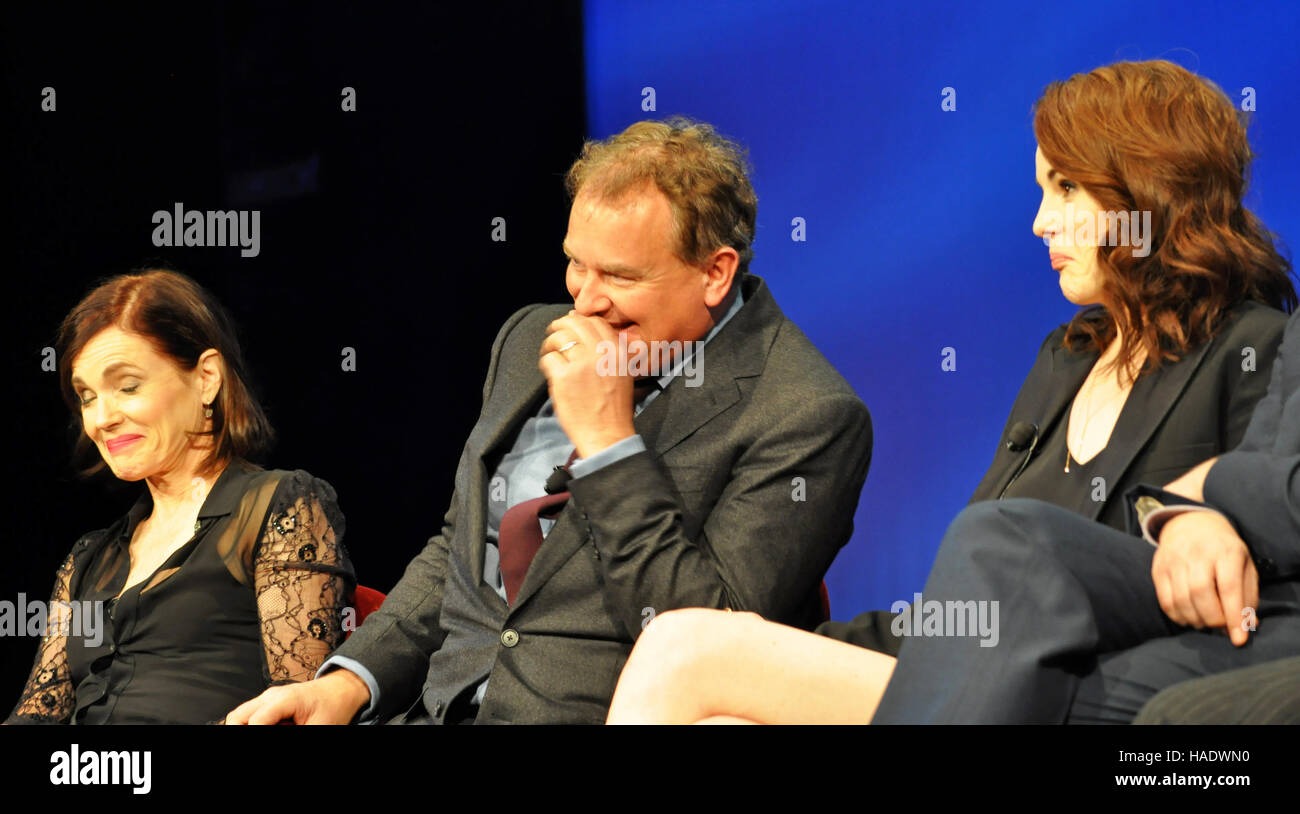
(918, 220)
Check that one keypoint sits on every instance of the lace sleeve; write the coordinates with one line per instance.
(48, 697)
(302, 578)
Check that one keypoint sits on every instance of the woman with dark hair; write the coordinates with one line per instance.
(223, 578)
(1143, 167)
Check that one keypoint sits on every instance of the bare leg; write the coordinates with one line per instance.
(694, 664)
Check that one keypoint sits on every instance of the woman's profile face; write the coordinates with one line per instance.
(137, 405)
(1067, 221)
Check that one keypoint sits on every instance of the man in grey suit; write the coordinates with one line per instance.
(672, 440)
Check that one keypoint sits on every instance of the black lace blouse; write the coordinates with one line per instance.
(256, 597)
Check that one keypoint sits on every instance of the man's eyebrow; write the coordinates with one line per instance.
(621, 270)
(110, 371)
(613, 268)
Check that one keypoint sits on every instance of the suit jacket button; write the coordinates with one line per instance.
(510, 637)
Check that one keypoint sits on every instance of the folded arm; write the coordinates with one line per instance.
(772, 532)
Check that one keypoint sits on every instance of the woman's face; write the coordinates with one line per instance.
(1067, 222)
(138, 406)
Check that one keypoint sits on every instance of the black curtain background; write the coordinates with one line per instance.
(375, 234)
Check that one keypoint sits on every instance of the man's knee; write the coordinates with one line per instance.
(989, 524)
(1019, 524)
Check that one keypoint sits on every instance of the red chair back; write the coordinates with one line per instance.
(366, 601)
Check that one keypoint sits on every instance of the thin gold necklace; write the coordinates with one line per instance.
(1088, 416)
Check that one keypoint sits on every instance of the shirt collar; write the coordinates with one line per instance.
(690, 347)
(222, 500)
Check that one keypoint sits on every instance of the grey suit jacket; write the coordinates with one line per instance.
(744, 495)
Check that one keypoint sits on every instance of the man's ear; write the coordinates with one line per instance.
(211, 371)
(718, 273)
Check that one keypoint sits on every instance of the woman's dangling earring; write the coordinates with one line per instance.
(207, 411)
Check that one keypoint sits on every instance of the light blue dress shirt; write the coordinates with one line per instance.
(521, 475)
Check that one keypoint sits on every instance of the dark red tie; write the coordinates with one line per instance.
(520, 535)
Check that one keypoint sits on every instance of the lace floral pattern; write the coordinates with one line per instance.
(48, 697)
(303, 581)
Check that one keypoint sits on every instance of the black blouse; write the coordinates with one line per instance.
(1045, 477)
(256, 597)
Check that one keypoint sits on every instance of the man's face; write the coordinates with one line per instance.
(623, 270)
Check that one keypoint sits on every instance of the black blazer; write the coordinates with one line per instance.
(1180, 415)
(1176, 417)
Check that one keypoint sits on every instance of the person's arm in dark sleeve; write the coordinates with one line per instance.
(770, 536)
(1258, 488)
(302, 577)
(395, 642)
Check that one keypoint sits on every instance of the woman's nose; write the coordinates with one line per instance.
(1040, 221)
(106, 414)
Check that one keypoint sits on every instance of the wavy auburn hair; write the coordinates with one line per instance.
(181, 320)
(1152, 136)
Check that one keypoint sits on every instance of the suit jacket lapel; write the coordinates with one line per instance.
(523, 402)
(1152, 398)
(737, 351)
(1068, 372)
(1046, 394)
(680, 410)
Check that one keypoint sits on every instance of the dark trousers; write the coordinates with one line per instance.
(1080, 638)
(1267, 693)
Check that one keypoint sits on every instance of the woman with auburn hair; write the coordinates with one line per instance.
(1143, 167)
(223, 578)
